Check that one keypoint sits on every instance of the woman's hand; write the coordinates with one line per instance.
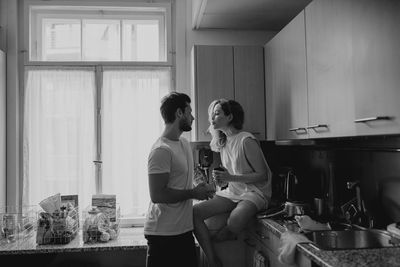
(221, 176)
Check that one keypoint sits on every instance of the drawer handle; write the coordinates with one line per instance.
(378, 118)
(247, 241)
(261, 235)
(317, 126)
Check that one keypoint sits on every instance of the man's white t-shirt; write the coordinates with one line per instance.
(175, 158)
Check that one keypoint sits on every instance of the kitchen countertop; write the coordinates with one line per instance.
(128, 239)
(344, 258)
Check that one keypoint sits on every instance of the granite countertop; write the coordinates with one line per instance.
(344, 258)
(128, 239)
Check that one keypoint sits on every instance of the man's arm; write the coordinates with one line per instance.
(161, 193)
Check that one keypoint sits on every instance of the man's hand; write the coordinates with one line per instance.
(203, 191)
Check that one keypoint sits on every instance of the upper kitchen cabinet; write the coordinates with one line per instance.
(286, 84)
(249, 87)
(377, 66)
(330, 76)
(212, 78)
(231, 73)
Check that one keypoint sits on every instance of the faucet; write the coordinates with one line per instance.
(358, 213)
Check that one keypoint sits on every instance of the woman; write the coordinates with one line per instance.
(244, 169)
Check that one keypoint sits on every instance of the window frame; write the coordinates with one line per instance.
(118, 5)
(99, 65)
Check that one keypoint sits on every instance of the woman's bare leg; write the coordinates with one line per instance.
(238, 219)
(203, 211)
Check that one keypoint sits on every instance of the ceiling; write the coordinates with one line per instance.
(266, 15)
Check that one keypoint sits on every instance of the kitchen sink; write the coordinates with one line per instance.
(352, 239)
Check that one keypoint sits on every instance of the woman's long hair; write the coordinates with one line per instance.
(218, 140)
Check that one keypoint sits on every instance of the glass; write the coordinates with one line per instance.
(141, 41)
(61, 40)
(218, 185)
(10, 227)
(199, 176)
(101, 40)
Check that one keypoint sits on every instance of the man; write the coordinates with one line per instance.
(168, 227)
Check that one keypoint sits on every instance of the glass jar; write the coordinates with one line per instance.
(10, 226)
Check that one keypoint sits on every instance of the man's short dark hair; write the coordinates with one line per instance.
(171, 103)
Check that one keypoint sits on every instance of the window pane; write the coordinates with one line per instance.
(101, 40)
(131, 124)
(59, 135)
(61, 40)
(141, 41)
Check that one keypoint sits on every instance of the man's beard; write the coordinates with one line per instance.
(184, 126)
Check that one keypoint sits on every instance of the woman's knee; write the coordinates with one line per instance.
(236, 223)
(241, 216)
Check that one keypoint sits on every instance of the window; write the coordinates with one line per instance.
(94, 81)
(93, 33)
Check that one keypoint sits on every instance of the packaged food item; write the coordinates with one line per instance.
(98, 227)
(58, 223)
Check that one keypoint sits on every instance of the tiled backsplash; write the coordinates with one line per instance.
(374, 161)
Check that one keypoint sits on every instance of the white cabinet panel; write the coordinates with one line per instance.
(377, 66)
(2, 128)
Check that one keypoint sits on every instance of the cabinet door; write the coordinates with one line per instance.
(249, 87)
(329, 68)
(377, 66)
(3, 129)
(213, 79)
(286, 86)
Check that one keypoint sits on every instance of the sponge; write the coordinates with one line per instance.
(308, 224)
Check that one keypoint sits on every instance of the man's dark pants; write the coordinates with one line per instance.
(176, 251)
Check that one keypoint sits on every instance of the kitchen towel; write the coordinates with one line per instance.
(307, 224)
(259, 260)
(287, 250)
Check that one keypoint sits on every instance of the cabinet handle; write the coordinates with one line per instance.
(378, 118)
(317, 126)
(299, 129)
(261, 235)
(247, 241)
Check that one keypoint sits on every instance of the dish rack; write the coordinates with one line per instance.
(100, 224)
(60, 227)
(17, 225)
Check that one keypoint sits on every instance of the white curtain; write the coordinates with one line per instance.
(59, 134)
(131, 122)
